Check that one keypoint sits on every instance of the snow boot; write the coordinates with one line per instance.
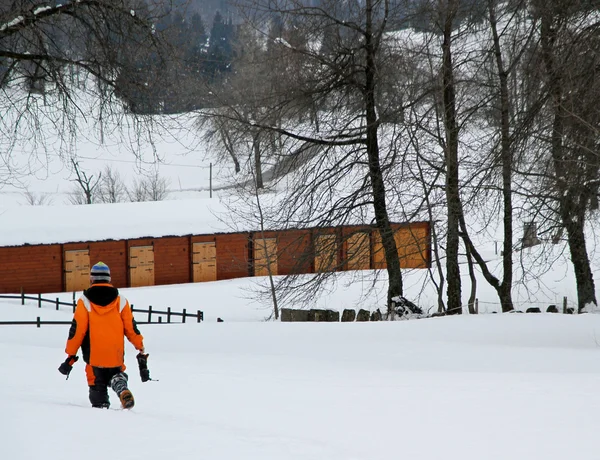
(99, 396)
(119, 385)
(127, 400)
(101, 406)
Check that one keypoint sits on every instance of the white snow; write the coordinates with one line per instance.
(58, 224)
(12, 23)
(515, 386)
(41, 9)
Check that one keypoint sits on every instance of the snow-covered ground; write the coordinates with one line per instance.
(512, 386)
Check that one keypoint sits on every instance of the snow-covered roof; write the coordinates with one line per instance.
(98, 222)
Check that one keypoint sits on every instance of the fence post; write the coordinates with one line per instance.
(57, 304)
(22, 296)
(183, 317)
(199, 316)
(564, 305)
(38, 322)
(39, 300)
(168, 314)
(150, 314)
(160, 319)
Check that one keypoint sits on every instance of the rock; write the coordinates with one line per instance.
(552, 309)
(286, 315)
(289, 314)
(348, 316)
(333, 316)
(376, 315)
(363, 315)
(317, 315)
(533, 310)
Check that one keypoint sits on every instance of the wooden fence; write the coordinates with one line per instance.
(199, 315)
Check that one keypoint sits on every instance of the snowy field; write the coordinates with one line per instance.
(512, 386)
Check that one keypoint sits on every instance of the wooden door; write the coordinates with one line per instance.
(204, 261)
(325, 253)
(77, 270)
(358, 253)
(141, 266)
(265, 250)
(412, 248)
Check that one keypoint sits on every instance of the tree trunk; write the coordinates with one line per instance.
(451, 157)
(473, 278)
(226, 140)
(257, 161)
(586, 290)
(375, 173)
(505, 288)
(571, 206)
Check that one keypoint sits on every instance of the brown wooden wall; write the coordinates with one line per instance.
(331, 254)
(232, 255)
(347, 233)
(40, 268)
(172, 263)
(256, 267)
(294, 252)
(413, 242)
(33, 268)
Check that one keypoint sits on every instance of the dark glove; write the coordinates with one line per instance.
(142, 360)
(66, 367)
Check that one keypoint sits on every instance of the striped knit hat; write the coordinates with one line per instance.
(100, 273)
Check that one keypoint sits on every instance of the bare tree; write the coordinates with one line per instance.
(570, 53)
(76, 195)
(111, 188)
(137, 191)
(157, 188)
(449, 10)
(150, 188)
(266, 252)
(37, 199)
(220, 133)
(87, 184)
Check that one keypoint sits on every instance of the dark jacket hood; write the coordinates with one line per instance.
(101, 294)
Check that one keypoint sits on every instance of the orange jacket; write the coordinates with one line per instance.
(100, 329)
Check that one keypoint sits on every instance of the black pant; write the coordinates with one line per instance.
(102, 380)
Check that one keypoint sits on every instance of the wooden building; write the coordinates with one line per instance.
(164, 260)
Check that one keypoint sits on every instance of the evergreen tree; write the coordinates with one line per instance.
(220, 50)
(195, 53)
